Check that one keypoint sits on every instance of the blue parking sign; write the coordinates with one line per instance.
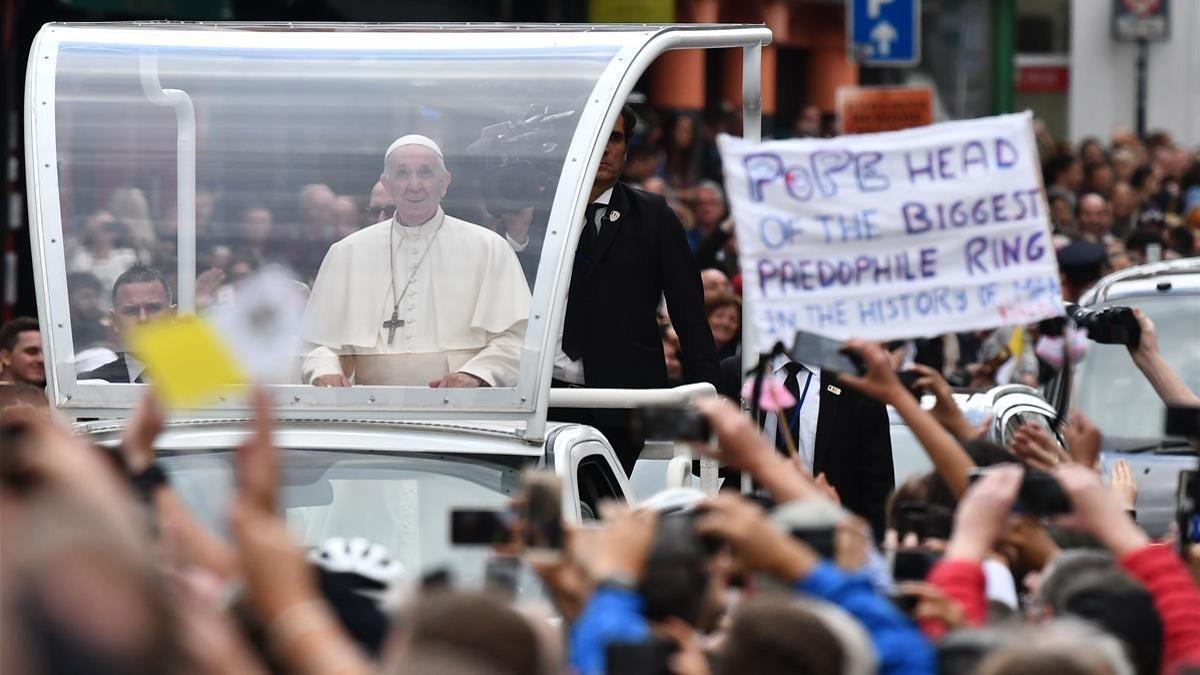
(885, 32)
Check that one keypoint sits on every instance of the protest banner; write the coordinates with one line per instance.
(912, 233)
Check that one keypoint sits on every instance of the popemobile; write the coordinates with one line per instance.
(188, 147)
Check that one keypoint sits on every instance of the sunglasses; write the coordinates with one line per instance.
(380, 212)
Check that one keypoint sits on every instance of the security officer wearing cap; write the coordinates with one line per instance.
(632, 251)
(1081, 264)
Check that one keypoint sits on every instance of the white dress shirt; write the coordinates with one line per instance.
(810, 405)
(134, 367)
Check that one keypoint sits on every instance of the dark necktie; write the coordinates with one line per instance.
(575, 323)
(792, 384)
(588, 236)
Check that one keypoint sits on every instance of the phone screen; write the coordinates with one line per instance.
(821, 539)
(671, 423)
(542, 514)
(825, 353)
(651, 657)
(1040, 493)
(912, 565)
(477, 527)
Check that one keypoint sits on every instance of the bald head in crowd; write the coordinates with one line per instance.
(1094, 218)
(318, 203)
(715, 283)
(380, 206)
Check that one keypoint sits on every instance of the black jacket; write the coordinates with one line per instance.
(853, 444)
(113, 371)
(640, 255)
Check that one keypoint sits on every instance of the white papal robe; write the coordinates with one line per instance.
(465, 310)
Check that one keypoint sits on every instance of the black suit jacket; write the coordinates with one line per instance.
(853, 446)
(113, 371)
(640, 255)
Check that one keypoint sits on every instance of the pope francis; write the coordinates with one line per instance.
(421, 299)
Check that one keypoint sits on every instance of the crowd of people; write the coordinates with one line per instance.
(1112, 205)
(961, 571)
(106, 571)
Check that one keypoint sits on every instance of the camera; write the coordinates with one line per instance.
(821, 539)
(908, 378)
(510, 187)
(480, 527)
(1108, 325)
(670, 423)
(913, 564)
(1183, 421)
(651, 657)
(676, 573)
(1040, 493)
(927, 521)
(539, 515)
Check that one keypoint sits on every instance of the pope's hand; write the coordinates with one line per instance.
(458, 380)
(338, 380)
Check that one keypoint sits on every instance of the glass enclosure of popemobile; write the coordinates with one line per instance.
(169, 163)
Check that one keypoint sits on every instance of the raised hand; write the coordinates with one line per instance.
(982, 513)
(1036, 447)
(1098, 511)
(879, 381)
(206, 286)
(1082, 439)
(740, 442)
(933, 604)
(1123, 484)
(945, 410)
(689, 658)
(1148, 342)
(566, 578)
(755, 543)
(742, 446)
(137, 439)
(258, 460)
(621, 547)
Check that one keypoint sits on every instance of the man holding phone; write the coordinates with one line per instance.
(835, 430)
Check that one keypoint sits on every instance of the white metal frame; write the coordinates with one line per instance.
(524, 403)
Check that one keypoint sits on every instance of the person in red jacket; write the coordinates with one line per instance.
(980, 519)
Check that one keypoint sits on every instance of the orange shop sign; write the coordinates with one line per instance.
(869, 109)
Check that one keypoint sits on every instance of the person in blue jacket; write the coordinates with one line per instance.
(614, 611)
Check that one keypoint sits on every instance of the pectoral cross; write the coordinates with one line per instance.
(393, 323)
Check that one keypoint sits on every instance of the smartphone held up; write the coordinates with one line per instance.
(533, 521)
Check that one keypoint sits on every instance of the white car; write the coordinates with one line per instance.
(392, 483)
(1119, 400)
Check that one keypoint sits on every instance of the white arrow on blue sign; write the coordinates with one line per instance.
(884, 32)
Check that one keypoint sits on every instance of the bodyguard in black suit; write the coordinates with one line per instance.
(853, 447)
(631, 253)
(139, 295)
(113, 371)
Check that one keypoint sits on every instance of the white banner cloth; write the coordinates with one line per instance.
(904, 234)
